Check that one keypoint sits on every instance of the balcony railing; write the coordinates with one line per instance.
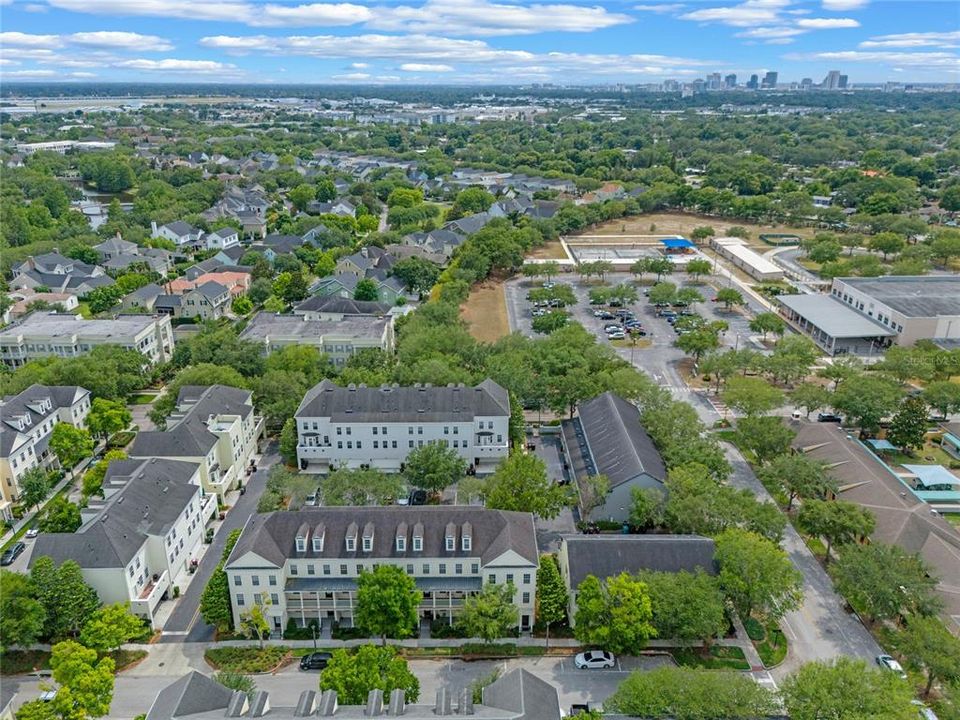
(150, 595)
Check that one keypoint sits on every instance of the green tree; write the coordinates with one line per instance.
(866, 399)
(417, 275)
(362, 486)
(702, 233)
(593, 491)
(752, 395)
(929, 646)
(838, 521)
(615, 614)
(550, 322)
(70, 444)
(908, 430)
(943, 396)
(34, 486)
(60, 516)
(22, 616)
(646, 508)
(67, 600)
(366, 290)
(521, 483)
(846, 689)
(109, 627)
(434, 467)
(686, 606)
(800, 476)
(730, 297)
(288, 442)
(698, 342)
(884, 581)
(93, 478)
(215, 607)
(660, 266)
(241, 305)
(699, 267)
(88, 680)
(887, 243)
(302, 195)
(490, 613)
(756, 574)
(255, 623)
(387, 602)
(404, 198)
(552, 597)
(470, 200)
(691, 694)
(107, 417)
(768, 322)
(353, 674)
(765, 436)
(809, 397)
(663, 292)
(825, 251)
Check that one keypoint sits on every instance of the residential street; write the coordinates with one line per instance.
(185, 624)
(821, 628)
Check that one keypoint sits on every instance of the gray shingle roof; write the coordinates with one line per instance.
(180, 228)
(272, 536)
(604, 556)
(28, 402)
(211, 289)
(347, 306)
(193, 693)
(619, 446)
(424, 403)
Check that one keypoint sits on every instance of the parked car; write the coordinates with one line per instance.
(33, 532)
(12, 553)
(315, 661)
(888, 663)
(538, 312)
(48, 695)
(925, 712)
(593, 659)
(418, 497)
(604, 315)
(829, 417)
(639, 332)
(616, 336)
(549, 284)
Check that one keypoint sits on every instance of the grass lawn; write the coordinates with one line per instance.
(142, 399)
(769, 641)
(485, 312)
(125, 658)
(718, 658)
(84, 310)
(930, 454)
(549, 251)
(952, 518)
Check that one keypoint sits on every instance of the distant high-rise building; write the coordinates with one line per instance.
(671, 86)
(843, 82)
(753, 83)
(698, 86)
(713, 81)
(806, 83)
(831, 81)
(730, 81)
(770, 79)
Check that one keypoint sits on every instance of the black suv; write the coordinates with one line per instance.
(11, 553)
(315, 661)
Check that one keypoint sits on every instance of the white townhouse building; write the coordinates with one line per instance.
(304, 565)
(137, 542)
(26, 423)
(42, 334)
(360, 426)
(213, 426)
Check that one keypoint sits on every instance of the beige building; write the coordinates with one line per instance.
(26, 422)
(42, 334)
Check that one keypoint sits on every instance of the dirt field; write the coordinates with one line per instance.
(683, 224)
(550, 251)
(486, 312)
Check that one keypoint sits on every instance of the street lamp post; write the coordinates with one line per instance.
(313, 631)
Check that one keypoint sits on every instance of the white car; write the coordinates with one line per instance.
(593, 659)
(33, 532)
(888, 663)
(616, 335)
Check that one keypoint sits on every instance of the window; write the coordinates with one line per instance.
(236, 579)
(417, 543)
(419, 429)
(343, 569)
(339, 431)
(474, 568)
(401, 543)
(351, 544)
(383, 430)
(318, 543)
(374, 429)
(294, 570)
(409, 568)
(301, 543)
(465, 542)
(311, 569)
(456, 430)
(426, 569)
(326, 569)
(339, 444)
(509, 577)
(410, 430)
(131, 571)
(368, 544)
(255, 579)
(274, 598)
(446, 429)
(458, 568)
(349, 444)
(443, 568)
(272, 579)
(492, 579)
(451, 543)
(525, 598)
(239, 599)
(376, 443)
(410, 443)
(394, 443)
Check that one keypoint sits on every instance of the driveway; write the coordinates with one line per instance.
(185, 623)
(821, 629)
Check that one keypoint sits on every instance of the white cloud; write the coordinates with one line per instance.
(8, 61)
(906, 59)
(747, 14)
(35, 8)
(426, 67)
(767, 33)
(221, 10)
(359, 66)
(916, 39)
(19, 39)
(352, 76)
(827, 23)
(844, 4)
(311, 14)
(120, 41)
(388, 78)
(661, 8)
(29, 73)
(176, 66)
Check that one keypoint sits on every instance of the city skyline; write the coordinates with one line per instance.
(476, 41)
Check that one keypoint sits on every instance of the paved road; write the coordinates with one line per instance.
(821, 628)
(134, 692)
(184, 623)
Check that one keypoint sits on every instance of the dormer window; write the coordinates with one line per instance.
(317, 544)
(301, 544)
(368, 537)
(401, 543)
(466, 537)
(319, 534)
(451, 537)
(351, 544)
(351, 537)
(451, 543)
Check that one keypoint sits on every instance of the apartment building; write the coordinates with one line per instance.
(360, 426)
(141, 537)
(213, 426)
(26, 422)
(42, 334)
(338, 339)
(304, 565)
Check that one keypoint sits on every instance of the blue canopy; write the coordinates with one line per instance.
(881, 444)
(677, 243)
(930, 475)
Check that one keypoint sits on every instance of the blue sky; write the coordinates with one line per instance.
(475, 41)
